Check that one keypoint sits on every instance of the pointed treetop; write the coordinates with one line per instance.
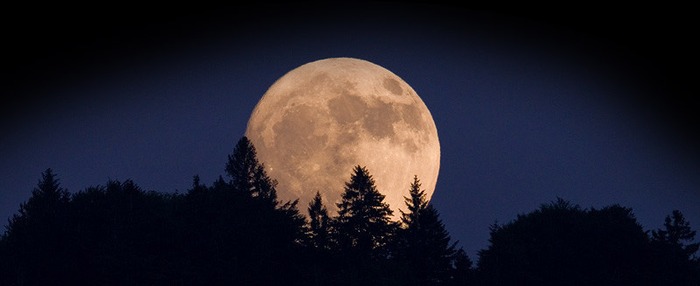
(48, 183)
(677, 232)
(319, 224)
(360, 179)
(316, 205)
(416, 203)
(242, 163)
(361, 195)
(363, 217)
(48, 188)
(248, 175)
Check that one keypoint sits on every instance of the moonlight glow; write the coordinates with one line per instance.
(318, 121)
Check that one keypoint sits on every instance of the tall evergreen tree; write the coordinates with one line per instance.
(248, 175)
(423, 243)
(318, 253)
(362, 231)
(47, 198)
(416, 204)
(674, 253)
(363, 223)
(319, 228)
(261, 228)
(677, 232)
(462, 272)
(36, 236)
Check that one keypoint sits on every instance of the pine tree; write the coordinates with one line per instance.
(319, 224)
(423, 243)
(677, 233)
(36, 236)
(462, 268)
(47, 198)
(45, 206)
(363, 223)
(262, 228)
(674, 253)
(248, 175)
(317, 257)
(416, 204)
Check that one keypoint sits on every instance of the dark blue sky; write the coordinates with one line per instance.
(593, 107)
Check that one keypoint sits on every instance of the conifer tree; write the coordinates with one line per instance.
(248, 175)
(36, 234)
(319, 224)
(674, 253)
(363, 223)
(197, 186)
(677, 233)
(423, 243)
(47, 197)
(462, 273)
(416, 204)
(261, 228)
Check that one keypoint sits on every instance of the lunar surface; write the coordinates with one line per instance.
(321, 119)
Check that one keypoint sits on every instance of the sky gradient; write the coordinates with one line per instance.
(593, 107)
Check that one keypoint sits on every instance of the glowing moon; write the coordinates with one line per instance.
(318, 121)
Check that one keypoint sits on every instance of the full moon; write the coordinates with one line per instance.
(323, 118)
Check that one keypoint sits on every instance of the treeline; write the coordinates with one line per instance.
(237, 232)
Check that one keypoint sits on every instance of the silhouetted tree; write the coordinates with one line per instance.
(119, 234)
(319, 227)
(36, 236)
(677, 233)
(363, 220)
(124, 234)
(206, 224)
(47, 201)
(416, 204)
(363, 230)
(294, 220)
(248, 175)
(249, 233)
(320, 267)
(462, 271)
(674, 252)
(116, 234)
(423, 244)
(562, 244)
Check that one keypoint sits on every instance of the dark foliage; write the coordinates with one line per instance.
(362, 231)
(236, 232)
(678, 234)
(674, 251)
(248, 175)
(40, 230)
(319, 227)
(422, 245)
(562, 244)
(363, 222)
(462, 271)
(230, 233)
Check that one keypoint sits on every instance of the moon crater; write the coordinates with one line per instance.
(393, 86)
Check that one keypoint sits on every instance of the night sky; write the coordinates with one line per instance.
(591, 106)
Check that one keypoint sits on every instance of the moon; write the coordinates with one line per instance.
(320, 120)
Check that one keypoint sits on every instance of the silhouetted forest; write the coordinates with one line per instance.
(237, 232)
